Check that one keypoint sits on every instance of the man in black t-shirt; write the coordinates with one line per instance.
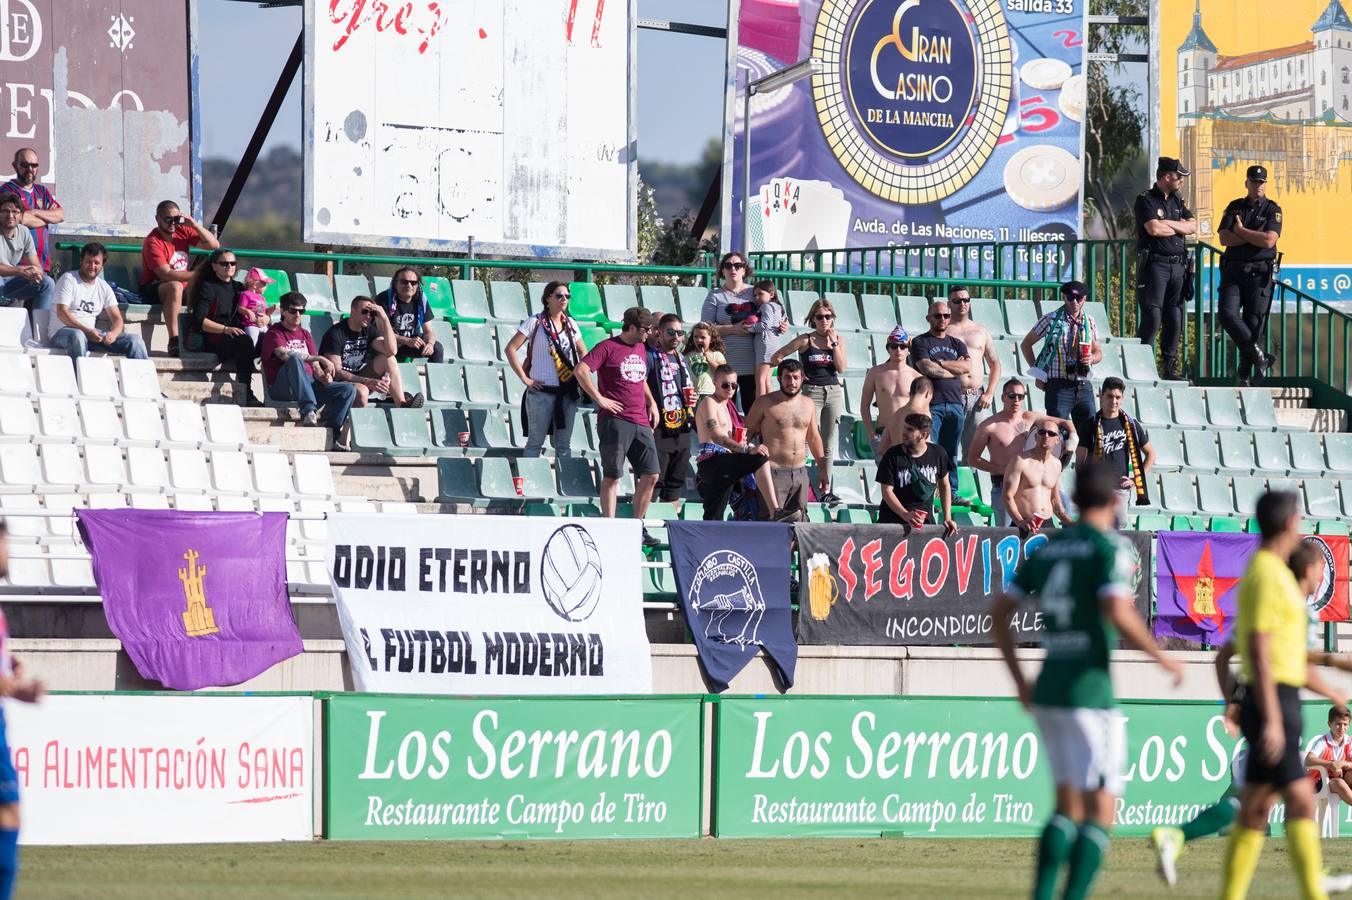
(942, 358)
(411, 317)
(1128, 455)
(362, 347)
(911, 473)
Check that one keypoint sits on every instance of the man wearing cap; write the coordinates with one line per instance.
(888, 384)
(977, 392)
(1062, 367)
(1248, 231)
(614, 373)
(1162, 222)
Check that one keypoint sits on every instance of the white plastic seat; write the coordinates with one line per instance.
(146, 469)
(149, 501)
(107, 500)
(105, 466)
(235, 504)
(315, 529)
(18, 423)
(22, 526)
(141, 419)
(225, 426)
(72, 572)
(183, 422)
(230, 472)
(56, 376)
(98, 377)
(188, 470)
(63, 526)
(193, 503)
(16, 372)
(100, 422)
(139, 380)
(19, 465)
(61, 464)
(314, 478)
(58, 418)
(13, 323)
(272, 473)
(28, 572)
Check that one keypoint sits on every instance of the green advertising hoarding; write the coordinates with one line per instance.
(402, 768)
(946, 767)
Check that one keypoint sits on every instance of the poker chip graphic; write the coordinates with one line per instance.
(1044, 74)
(1072, 99)
(1042, 177)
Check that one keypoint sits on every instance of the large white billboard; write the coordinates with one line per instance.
(502, 126)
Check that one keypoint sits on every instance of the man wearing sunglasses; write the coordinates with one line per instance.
(361, 348)
(411, 317)
(943, 359)
(723, 462)
(40, 207)
(165, 271)
(670, 383)
(1032, 482)
(978, 390)
(1001, 438)
(1063, 365)
(294, 370)
(887, 385)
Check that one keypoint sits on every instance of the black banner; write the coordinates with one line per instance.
(878, 585)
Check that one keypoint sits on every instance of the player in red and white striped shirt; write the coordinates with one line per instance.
(1329, 758)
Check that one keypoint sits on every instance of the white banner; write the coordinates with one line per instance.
(150, 769)
(491, 604)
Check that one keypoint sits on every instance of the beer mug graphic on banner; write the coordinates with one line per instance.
(821, 587)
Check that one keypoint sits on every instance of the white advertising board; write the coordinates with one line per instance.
(502, 126)
(154, 769)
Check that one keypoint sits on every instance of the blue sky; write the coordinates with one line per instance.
(242, 49)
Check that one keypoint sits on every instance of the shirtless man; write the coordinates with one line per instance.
(975, 395)
(1032, 489)
(922, 392)
(785, 420)
(720, 461)
(888, 384)
(1001, 438)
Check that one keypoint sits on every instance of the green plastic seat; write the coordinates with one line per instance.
(1021, 316)
(969, 518)
(847, 311)
(1247, 491)
(658, 298)
(586, 303)
(509, 301)
(1200, 448)
(1237, 450)
(410, 430)
(1177, 493)
(914, 311)
(1098, 314)
(1152, 407)
(483, 388)
(592, 335)
(503, 332)
(1214, 496)
(818, 514)
(1138, 361)
(412, 379)
(845, 482)
(1222, 408)
(1189, 410)
(858, 351)
(1321, 498)
(1331, 527)
(545, 508)
(797, 304)
(617, 298)
(692, 510)
(1111, 364)
(272, 293)
(457, 481)
(1259, 410)
(444, 332)
(662, 511)
(1271, 452)
(318, 290)
(318, 324)
(447, 426)
(1011, 360)
(1225, 525)
(534, 291)
(496, 480)
(1187, 523)
(1152, 522)
(444, 384)
(880, 313)
(476, 342)
(537, 476)
(346, 288)
(990, 313)
(488, 431)
(584, 511)
(690, 303)
(371, 432)
(1307, 452)
(1169, 451)
(512, 388)
(470, 301)
(576, 478)
(437, 290)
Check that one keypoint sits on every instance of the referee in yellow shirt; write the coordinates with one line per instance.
(1270, 634)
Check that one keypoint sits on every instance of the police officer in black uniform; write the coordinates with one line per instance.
(1248, 231)
(1162, 222)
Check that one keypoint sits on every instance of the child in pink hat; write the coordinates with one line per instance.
(253, 309)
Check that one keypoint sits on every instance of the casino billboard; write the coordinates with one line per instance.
(1240, 86)
(931, 121)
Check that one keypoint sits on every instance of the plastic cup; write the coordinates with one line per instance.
(739, 434)
(464, 439)
(1086, 351)
(920, 517)
(689, 395)
(520, 484)
(1035, 523)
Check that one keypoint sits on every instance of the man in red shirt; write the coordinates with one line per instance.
(293, 370)
(164, 262)
(615, 375)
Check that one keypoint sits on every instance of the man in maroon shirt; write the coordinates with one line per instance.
(626, 411)
(294, 371)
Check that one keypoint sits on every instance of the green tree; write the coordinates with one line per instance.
(1115, 120)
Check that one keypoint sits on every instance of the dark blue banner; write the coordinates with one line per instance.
(733, 580)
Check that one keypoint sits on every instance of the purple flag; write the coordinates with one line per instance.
(198, 598)
(1196, 583)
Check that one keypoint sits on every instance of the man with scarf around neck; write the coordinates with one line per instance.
(674, 390)
(911, 473)
(1121, 443)
(1062, 366)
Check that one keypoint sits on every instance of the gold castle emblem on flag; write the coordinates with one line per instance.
(199, 620)
(1206, 597)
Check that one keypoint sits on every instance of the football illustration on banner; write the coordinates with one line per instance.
(570, 573)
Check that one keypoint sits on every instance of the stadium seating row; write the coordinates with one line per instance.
(175, 423)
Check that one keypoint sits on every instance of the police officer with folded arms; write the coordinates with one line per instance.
(1248, 231)
(1163, 221)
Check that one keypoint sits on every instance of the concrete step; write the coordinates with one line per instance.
(291, 438)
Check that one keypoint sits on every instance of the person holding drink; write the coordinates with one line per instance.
(1063, 368)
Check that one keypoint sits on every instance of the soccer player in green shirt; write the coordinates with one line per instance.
(1081, 579)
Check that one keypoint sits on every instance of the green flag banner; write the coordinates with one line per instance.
(947, 767)
(401, 768)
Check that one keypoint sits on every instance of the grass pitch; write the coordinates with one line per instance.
(598, 870)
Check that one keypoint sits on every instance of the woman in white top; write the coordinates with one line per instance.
(549, 405)
(725, 309)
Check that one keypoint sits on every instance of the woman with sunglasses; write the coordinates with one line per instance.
(822, 353)
(726, 309)
(549, 405)
(411, 317)
(216, 315)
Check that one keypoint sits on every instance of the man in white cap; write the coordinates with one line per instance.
(888, 384)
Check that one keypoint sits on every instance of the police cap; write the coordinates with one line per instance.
(1256, 173)
(1168, 164)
